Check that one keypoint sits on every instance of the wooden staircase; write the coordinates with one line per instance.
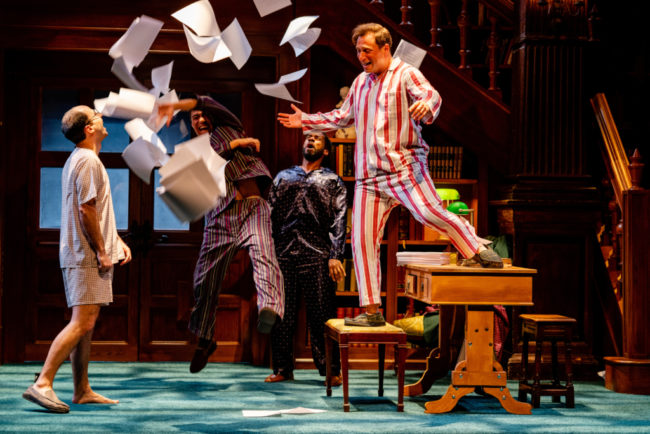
(628, 370)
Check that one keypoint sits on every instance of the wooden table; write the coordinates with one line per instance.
(478, 289)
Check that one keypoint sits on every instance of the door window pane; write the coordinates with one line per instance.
(50, 197)
(119, 179)
(54, 105)
(177, 132)
(163, 218)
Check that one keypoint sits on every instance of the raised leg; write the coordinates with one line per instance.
(382, 358)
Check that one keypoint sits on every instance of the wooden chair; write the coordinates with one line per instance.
(543, 328)
(336, 331)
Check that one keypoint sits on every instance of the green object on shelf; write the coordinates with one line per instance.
(458, 207)
(448, 193)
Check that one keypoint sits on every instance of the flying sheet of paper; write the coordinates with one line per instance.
(134, 45)
(236, 41)
(297, 27)
(136, 128)
(168, 98)
(266, 413)
(201, 148)
(128, 104)
(141, 159)
(191, 192)
(279, 90)
(206, 49)
(121, 71)
(409, 53)
(266, 7)
(302, 42)
(199, 16)
(160, 78)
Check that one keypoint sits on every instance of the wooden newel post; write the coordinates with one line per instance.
(636, 169)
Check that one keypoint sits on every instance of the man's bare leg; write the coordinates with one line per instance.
(83, 321)
(80, 356)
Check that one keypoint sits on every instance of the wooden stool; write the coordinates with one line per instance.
(542, 328)
(336, 331)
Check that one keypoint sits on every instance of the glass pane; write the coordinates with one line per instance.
(54, 105)
(117, 139)
(120, 190)
(50, 198)
(163, 218)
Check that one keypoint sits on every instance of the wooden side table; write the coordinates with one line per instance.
(478, 289)
(336, 331)
(542, 328)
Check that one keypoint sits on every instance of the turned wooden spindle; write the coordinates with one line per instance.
(493, 42)
(406, 15)
(434, 6)
(463, 27)
(636, 170)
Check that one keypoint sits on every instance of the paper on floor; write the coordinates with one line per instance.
(266, 413)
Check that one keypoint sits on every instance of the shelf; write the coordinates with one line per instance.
(353, 293)
(439, 242)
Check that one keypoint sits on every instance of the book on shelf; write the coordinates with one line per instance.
(344, 153)
(445, 161)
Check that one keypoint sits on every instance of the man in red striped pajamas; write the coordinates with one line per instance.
(386, 104)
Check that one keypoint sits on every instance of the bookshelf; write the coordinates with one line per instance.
(394, 300)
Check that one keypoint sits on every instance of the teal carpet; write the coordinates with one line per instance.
(165, 397)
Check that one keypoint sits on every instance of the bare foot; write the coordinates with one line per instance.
(93, 398)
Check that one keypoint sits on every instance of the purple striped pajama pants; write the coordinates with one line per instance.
(245, 224)
(374, 198)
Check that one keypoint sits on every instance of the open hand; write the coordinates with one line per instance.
(291, 120)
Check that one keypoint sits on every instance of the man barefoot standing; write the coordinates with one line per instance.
(88, 248)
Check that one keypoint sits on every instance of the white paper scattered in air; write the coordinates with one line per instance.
(193, 179)
(121, 71)
(297, 27)
(301, 43)
(199, 17)
(266, 7)
(134, 45)
(206, 49)
(160, 78)
(127, 104)
(236, 41)
(409, 53)
(279, 90)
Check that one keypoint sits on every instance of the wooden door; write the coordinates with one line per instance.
(153, 294)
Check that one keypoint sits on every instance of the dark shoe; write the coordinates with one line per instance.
(275, 378)
(46, 400)
(488, 258)
(266, 320)
(201, 356)
(336, 381)
(366, 320)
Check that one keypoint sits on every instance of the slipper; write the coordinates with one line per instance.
(46, 400)
(274, 378)
(488, 258)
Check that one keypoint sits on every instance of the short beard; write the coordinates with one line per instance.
(312, 157)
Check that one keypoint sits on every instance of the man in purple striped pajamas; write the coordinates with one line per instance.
(241, 219)
(386, 103)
